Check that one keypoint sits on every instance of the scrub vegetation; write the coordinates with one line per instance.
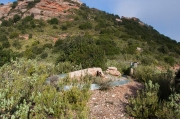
(32, 50)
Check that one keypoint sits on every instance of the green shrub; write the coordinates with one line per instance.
(17, 44)
(145, 105)
(6, 44)
(44, 55)
(16, 18)
(24, 95)
(13, 35)
(3, 37)
(5, 56)
(47, 45)
(169, 60)
(53, 21)
(15, 3)
(63, 27)
(6, 23)
(86, 25)
(144, 73)
(37, 50)
(81, 50)
(30, 36)
(109, 46)
(55, 27)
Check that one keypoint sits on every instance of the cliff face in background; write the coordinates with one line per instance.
(45, 9)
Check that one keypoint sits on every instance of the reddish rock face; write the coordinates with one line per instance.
(4, 10)
(45, 9)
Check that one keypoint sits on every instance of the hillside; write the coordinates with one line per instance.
(47, 21)
(40, 38)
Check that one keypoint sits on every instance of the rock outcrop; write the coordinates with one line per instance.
(89, 71)
(113, 71)
(45, 9)
(4, 10)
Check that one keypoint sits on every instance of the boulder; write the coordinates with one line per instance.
(113, 71)
(96, 71)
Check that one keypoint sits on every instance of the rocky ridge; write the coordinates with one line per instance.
(45, 9)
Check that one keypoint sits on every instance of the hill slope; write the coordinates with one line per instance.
(31, 28)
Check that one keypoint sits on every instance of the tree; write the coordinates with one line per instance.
(16, 18)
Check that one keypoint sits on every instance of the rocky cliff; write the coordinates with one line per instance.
(43, 9)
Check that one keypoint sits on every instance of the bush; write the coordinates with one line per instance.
(169, 60)
(44, 55)
(3, 37)
(6, 23)
(37, 50)
(13, 35)
(48, 45)
(17, 44)
(15, 3)
(16, 18)
(55, 27)
(53, 21)
(6, 44)
(81, 50)
(145, 105)
(64, 27)
(108, 45)
(5, 56)
(24, 95)
(31, 4)
(86, 25)
(30, 36)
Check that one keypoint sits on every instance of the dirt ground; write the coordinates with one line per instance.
(111, 104)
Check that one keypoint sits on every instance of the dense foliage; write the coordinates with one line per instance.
(23, 93)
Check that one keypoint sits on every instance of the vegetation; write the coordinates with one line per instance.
(24, 95)
(93, 39)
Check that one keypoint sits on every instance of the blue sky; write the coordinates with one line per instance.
(163, 15)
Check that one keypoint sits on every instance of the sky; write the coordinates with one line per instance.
(163, 15)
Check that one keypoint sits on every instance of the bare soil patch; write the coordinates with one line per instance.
(111, 104)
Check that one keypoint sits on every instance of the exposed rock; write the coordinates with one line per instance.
(4, 10)
(113, 71)
(139, 49)
(118, 20)
(25, 36)
(89, 71)
(45, 9)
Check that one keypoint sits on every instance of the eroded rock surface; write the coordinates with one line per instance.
(45, 9)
